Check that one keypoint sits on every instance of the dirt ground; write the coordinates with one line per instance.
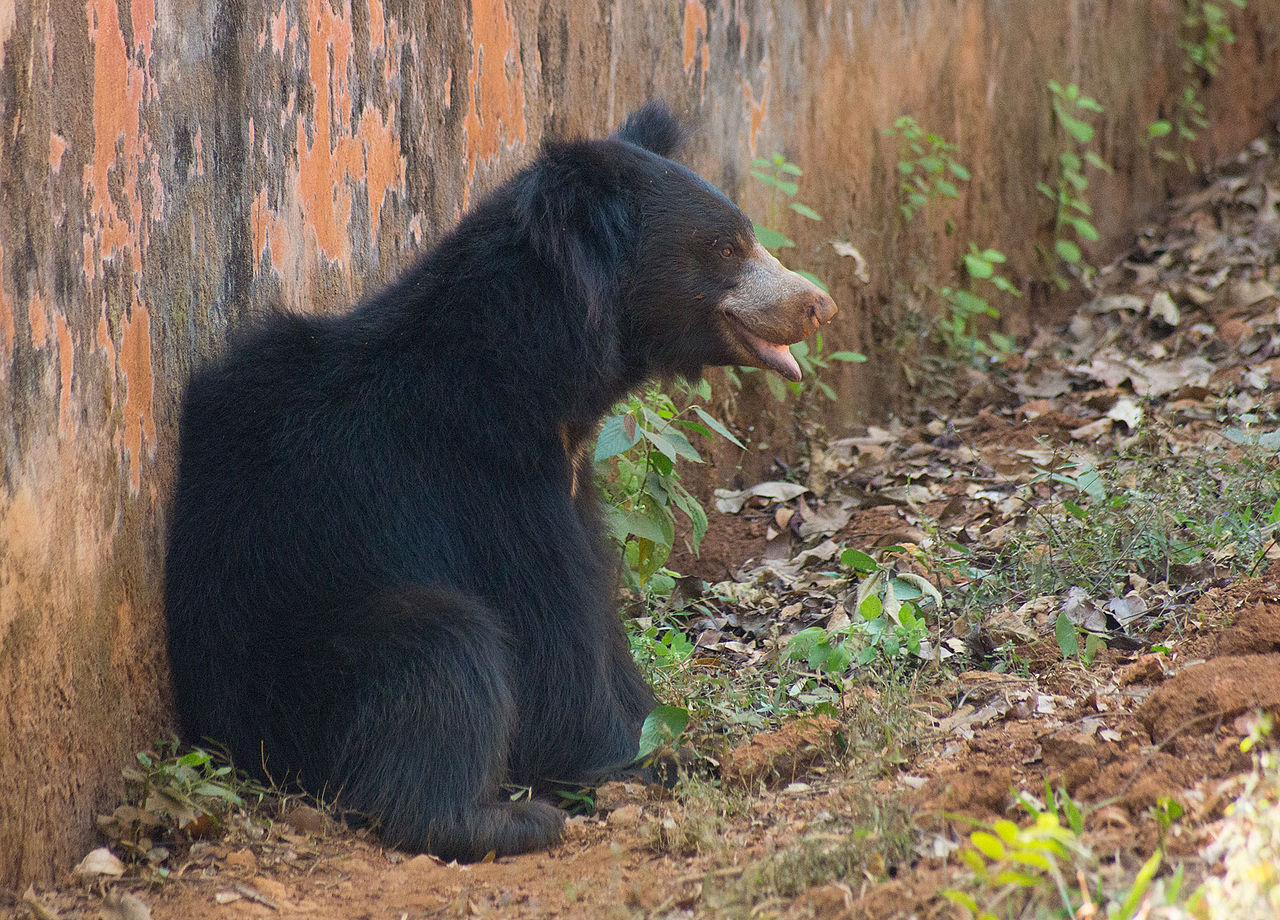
(1157, 715)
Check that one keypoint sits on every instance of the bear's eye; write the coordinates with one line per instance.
(727, 252)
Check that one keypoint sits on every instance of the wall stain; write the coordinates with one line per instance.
(7, 330)
(135, 366)
(37, 312)
(66, 360)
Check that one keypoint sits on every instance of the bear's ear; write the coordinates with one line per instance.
(655, 128)
(573, 208)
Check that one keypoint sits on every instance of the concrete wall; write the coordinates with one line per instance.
(168, 169)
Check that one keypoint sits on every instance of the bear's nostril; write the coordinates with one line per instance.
(822, 310)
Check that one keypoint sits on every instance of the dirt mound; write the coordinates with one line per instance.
(777, 758)
(1212, 692)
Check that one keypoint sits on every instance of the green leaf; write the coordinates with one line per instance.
(672, 443)
(958, 171)
(977, 266)
(718, 428)
(963, 898)
(987, 844)
(614, 438)
(804, 210)
(1067, 251)
(852, 357)
(946, 189)
(801, 646)
(766, 178)
(1140, 884)
(1085, 229)
(1067, 636)
(863, 564)
(787, 188)
(770, 238)
(623, 523)
(1090, 483)
(663, 725)
(1081, 131)
(871, 607)
(791, 169)
(1097, 162)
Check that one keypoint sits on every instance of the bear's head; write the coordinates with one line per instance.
(661, 253)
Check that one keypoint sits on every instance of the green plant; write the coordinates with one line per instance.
(172, 794)
(926, 167)
(1092, 523)
(779, 175)
(1068, 637)
(658, 650)
(889, 624)
(1072, 111)
(1206, 31)
(958, 328)
(636, 455)
(1040, 870)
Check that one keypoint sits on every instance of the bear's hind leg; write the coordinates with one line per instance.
(424, 740)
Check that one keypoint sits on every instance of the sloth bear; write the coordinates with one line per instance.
(385, 577)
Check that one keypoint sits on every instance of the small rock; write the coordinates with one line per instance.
(242, 859)
(626, 816)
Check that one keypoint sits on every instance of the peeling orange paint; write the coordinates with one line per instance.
(756, 108)
(39, 320)
(57, 147)
(66, 357)
(495, 115)
(135, 365)
(333, 159)
(695, 30)
(119, 86)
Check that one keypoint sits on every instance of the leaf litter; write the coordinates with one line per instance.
(1173, 357)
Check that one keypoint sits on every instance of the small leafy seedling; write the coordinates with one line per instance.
(927, 167)
(1073, 112)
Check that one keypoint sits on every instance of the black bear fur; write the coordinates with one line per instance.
(385, 579)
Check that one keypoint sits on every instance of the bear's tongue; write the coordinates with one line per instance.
(778, 357)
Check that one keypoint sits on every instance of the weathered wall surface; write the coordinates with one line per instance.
(167, 170)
